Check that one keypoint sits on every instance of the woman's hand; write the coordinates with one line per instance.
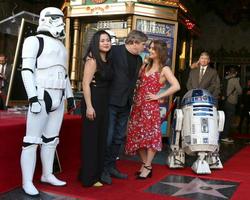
(90, 113)
(151, 97)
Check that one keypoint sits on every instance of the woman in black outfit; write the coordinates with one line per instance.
(96, 78)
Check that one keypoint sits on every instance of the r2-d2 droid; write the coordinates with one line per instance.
(196, 130)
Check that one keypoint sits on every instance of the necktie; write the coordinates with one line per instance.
(201, 73)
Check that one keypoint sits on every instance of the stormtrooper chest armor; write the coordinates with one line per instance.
(52, 64)
(54, 53)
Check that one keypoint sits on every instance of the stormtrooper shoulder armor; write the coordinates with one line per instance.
(30, 47)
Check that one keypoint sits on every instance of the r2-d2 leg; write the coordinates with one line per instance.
(213, 158)
(176, 158)
(200, 166)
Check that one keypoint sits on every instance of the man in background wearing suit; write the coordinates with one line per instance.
(5, 72)
(126, 64)
(204, 77)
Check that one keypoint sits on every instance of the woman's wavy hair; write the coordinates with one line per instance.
(160, 48)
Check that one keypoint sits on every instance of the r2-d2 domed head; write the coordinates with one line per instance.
(51, 20)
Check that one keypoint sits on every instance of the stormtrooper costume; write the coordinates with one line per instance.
(47, 85)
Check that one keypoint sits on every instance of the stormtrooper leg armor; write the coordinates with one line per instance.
(47, 158)
(48, 125)
(49, 144)
(28, 165)
(29, 150)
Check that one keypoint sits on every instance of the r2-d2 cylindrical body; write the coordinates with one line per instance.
(200, 130)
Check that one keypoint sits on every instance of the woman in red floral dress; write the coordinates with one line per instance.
(144, 133)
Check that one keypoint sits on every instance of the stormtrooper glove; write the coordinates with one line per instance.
(35, 106)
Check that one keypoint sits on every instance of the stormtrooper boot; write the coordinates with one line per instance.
(28, 164)
(47, 158)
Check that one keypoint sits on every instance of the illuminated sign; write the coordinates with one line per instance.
(98, 1)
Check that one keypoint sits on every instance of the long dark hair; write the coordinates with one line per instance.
(93, 49)
(160, 47)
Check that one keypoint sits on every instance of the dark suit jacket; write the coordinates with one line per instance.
(7, 81)
(4, 90)
(122, 86)
(210, 81)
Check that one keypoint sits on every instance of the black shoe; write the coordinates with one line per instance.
(149, 175)
(115, 173)
(106, 178)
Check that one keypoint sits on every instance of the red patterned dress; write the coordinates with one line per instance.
(144, 126)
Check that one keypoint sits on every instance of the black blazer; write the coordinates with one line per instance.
(122, 86)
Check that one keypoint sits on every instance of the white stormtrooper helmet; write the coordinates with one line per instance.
(51, 20)
(113, 36)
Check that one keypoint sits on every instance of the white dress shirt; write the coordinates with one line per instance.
(2, 73)
(204, 68)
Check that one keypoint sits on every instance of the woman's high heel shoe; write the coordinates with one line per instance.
(137, 173)
(149, 175)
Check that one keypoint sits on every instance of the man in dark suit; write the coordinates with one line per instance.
(126, 64)
(204, 77)
(5, 72)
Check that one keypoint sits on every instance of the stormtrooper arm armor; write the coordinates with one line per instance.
(68, 89)
(29, 56)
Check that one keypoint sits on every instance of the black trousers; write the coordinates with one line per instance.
(118, 118)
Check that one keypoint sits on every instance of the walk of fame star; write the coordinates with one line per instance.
(198, 186)
(194, 187)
